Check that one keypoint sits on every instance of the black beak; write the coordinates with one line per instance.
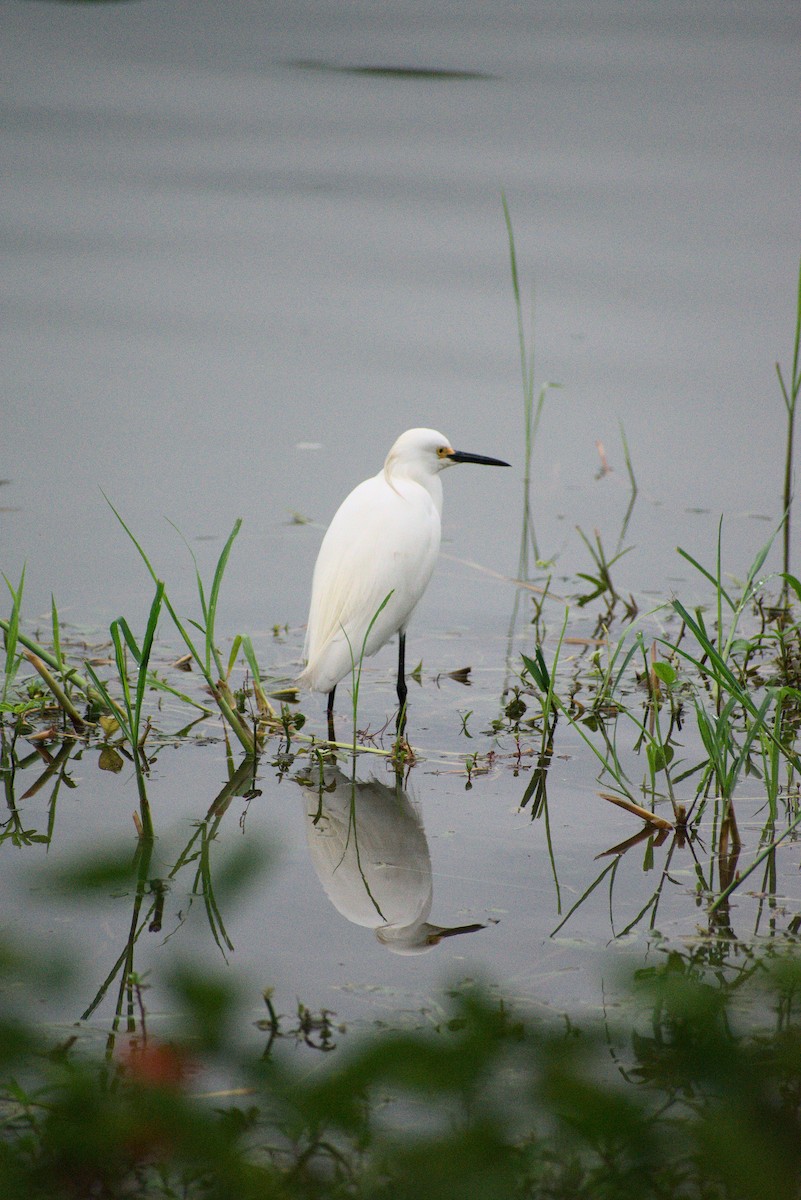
(460, 456)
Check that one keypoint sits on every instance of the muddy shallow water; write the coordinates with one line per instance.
(235, 267)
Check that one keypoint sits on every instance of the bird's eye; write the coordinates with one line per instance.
(443, 451)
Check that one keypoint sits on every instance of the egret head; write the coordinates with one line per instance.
(426, 452)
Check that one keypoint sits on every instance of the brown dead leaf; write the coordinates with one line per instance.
(637, 810)
(44, 735)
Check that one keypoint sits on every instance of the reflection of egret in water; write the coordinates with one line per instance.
(369, 850)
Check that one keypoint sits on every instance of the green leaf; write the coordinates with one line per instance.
(12, 662)
(792, 582)
(659, 757)
(232, 656)
(713, 579)
(130, 640)
(147, 646)
(538, 670)
(215, 588)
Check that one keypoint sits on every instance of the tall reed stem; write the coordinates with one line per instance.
(790, 396)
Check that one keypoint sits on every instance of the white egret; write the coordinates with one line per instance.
(384, 539)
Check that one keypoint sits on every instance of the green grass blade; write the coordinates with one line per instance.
(161, 685)
(707, 575)
(356, 664)
(167, 602)
(250, 658)
(637, 645)
(233, 655)
(122, 671)
(526, 356)
(147, 646)
(265, 707)
(142, 554)
(610, 765)
(12, 633)
(56, 634)
(214, 595)
(721, 672)
(719, 588)
(793, 582)
(759, 561)
(47, 656)
(757, 728)
(111, 705)
(538, 669)
(198, 580)
(204, 661)
(130, 640)
(790, 395)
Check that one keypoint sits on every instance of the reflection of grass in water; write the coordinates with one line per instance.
(356, 666)
(709, 680)
(712, 678)
(724, 695)
(613, 1131)
(747, 729)
(213, 882)
(679, 716)
(688, 1085)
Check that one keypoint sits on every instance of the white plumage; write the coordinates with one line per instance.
(384, 539)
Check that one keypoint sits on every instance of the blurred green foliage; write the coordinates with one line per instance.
(686, 1090)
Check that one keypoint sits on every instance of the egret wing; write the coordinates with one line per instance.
(381, 541)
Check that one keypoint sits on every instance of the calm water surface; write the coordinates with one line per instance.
(235, 266)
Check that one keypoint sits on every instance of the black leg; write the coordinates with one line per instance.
(330, 713)
(402, 690)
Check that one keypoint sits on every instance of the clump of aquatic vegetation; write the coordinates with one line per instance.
(68, 689)
(689, 716)
(689, 1086)
(682, 707)
(678, 706)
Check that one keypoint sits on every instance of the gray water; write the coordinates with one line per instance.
(236, 265)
